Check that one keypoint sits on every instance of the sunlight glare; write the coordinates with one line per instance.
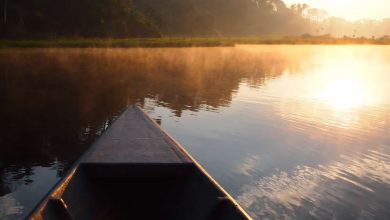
(344, 94)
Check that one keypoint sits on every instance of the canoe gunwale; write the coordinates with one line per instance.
(59, 188)
(188, 162)
(198, 165)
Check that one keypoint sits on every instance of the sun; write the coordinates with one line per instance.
(350, 9)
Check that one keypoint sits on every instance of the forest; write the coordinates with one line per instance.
(79, 18)
(175, 18)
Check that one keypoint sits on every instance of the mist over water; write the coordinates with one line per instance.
(292, 132)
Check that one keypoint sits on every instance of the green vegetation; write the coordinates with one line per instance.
(37, 19)
(124, 43)
(184, 42)
(220, 18)
(73, 18)
(146, 18)
(247, 18)
(320, 40)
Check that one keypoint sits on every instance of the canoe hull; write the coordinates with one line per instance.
(168, 184)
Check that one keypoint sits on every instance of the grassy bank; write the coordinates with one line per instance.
(320, 40)
(121, 43)
(184, 42)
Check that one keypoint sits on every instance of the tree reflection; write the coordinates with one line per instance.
(55, 102)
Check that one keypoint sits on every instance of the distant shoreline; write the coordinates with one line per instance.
(183, 42)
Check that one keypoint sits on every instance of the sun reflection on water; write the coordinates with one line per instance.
(337, 94)
(345, 94)
(336, 111)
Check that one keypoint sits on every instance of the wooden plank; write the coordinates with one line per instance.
(134, 139)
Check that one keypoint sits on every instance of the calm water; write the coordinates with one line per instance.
(291, 132)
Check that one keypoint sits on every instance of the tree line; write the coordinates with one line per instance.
(153, 18)
(218, 18)
(86, 18)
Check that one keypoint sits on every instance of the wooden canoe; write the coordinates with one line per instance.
(135, 170)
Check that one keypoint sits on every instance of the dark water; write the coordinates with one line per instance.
(291, 132)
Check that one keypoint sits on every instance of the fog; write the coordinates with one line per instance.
(190, 18)
(245, 18)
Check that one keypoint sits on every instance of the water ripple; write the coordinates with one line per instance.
(354, 182)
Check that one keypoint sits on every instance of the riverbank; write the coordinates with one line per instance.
(184, 42)
(316, 40)
(120, 43)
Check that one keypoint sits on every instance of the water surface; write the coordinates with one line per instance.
(291, 132)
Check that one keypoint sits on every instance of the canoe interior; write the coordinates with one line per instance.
(188, 194)
(137, 171)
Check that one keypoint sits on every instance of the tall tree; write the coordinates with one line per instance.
(5, 11)
(103, 18)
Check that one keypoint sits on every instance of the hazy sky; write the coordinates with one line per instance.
(351, 9)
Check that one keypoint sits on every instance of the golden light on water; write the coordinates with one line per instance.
(335, 108)
(339, 92)
(344, 94)
(346, 85)
(338, 98)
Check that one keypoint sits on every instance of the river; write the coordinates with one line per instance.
(291, 132)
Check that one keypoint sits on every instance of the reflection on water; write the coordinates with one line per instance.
(290, 131)
(23, 188)
(328, 191)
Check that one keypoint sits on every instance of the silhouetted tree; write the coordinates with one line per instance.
(5, 11)
(103, 18)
